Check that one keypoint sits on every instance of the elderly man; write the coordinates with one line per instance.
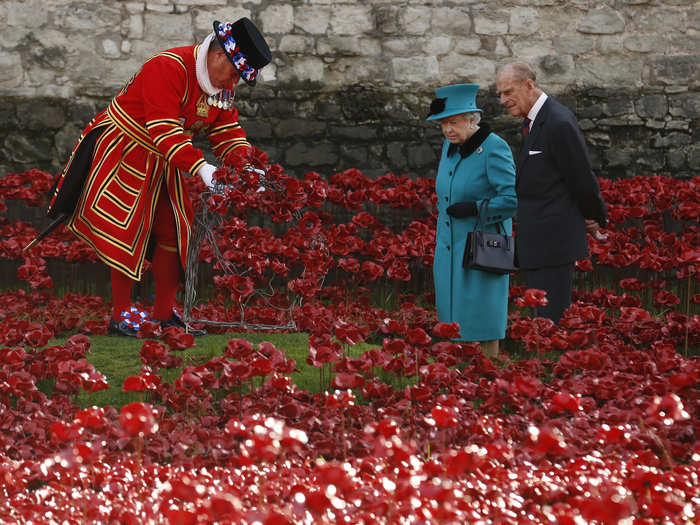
(122, 186)
(558, 195)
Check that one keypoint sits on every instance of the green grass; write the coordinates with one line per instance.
(118, 358)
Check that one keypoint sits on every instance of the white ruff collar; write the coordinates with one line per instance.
(201, 67)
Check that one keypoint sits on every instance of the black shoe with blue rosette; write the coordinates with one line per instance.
(130, 323)
(121, 328)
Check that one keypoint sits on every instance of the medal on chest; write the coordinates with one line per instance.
(222, 100)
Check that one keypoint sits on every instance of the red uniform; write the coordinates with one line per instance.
(144, 147)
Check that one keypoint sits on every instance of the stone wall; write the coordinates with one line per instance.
(351, 80)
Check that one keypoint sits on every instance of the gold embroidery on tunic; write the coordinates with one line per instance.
(202, 106)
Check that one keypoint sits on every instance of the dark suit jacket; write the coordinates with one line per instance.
(556, 190)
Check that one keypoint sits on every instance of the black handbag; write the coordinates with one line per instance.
(489, 252)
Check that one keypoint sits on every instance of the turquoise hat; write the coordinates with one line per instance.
(453, 100)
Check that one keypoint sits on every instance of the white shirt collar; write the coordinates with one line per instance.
(201, 67)
(535, 109)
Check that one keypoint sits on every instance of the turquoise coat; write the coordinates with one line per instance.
(477, 300)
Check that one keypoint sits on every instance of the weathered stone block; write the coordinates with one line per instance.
(416, 69)
(327, 109)
(296, 44)
(648, 20)
(353, 132)
(306, 69)
(11, 73)
(694, 157)
(644, 43)
(351, 20)
(257, 129)
(467, 45)
(681, 69)
(524, 21)
(491, 21)
(277, 108)
(205, 3)
(620, 157)
(135, 26)
(110, 46)
(609, 44)
(438, 45)
(557, 69)
(277, 18)
(421, 155)
(618, 105)
(299, 128)
(312, 20)
(624, 121)
(398, 47)
(357, 156)
(531, 47)
(41, 114)
(586, 124)
(675, 160)
(135, 7)
(573, 43)
(203, 19)
(26, 151)
(655, 124)
(396, 155)
(318, 154)
(609, 71)
(348, 45)
(652, 106)
(25, 14)
(448, 20)
(674, 139)
(8, 118)
(361, 70)
(693, 17)
(601, 21)
(387, 19)
(474, 69)
(650, 160)
(680, 125)
(169, 30)
(414, 20)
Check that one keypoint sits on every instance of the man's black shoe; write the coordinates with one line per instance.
(176, 320)
(121, 328)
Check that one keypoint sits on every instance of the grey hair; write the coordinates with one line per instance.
(521, 71)
(474, 116)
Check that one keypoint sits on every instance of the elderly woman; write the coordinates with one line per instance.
(476, 165)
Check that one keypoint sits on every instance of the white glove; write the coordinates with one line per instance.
(261, 173)
(206, 172)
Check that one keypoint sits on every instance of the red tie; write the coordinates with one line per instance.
(526, 126)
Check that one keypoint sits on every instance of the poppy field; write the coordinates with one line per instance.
(593, 420)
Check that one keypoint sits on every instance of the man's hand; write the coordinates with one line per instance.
(593, 228)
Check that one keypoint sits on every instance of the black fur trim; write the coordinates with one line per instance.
(472, 143)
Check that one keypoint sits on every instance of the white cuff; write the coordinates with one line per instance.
(207, 174)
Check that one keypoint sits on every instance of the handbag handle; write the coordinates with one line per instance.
(479, 222)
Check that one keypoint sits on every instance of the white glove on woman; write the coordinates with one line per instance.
(206, 172)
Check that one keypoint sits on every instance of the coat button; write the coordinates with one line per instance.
(447, 223)
(448, 248)
(446, 199)
(450, 174)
